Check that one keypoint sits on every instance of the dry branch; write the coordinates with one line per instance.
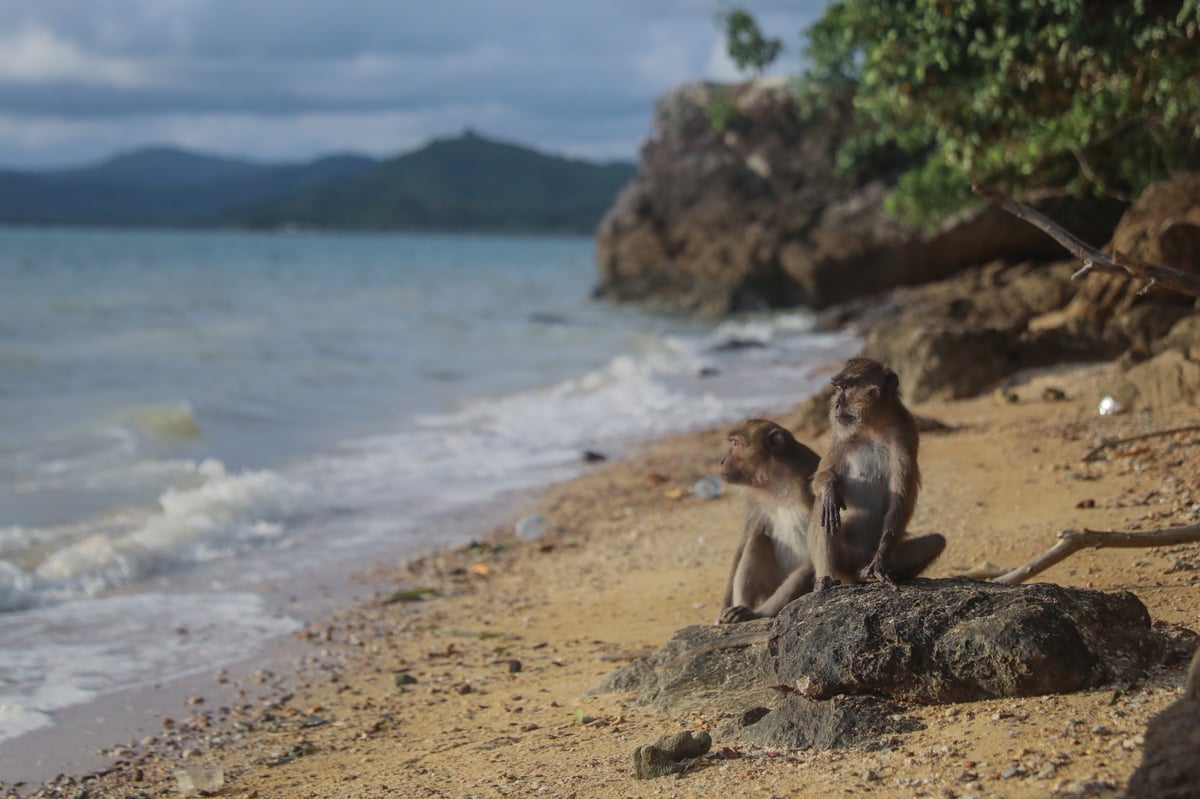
(1116, 263)
(1096, 450)
(1071, 541)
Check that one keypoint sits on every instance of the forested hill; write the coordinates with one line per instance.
(467, 183)
(160, 186)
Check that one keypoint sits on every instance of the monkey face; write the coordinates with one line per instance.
(754, 449)
(733, 465)
(859, 389)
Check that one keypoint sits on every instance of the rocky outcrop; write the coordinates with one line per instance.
(738, 205)
(966, 334)
(844, 659)
(1162, 226)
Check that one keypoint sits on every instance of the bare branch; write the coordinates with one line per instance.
(1115, 264)
(1071, 541)
(1096, 450)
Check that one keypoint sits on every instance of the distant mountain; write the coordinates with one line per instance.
(464, 183)
(468, 183)
(160, 186)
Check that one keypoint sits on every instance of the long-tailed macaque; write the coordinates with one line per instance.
(866, 485)
(771, 566)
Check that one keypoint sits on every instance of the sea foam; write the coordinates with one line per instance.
(219, 514)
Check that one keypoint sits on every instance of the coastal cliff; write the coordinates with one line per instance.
(737, 205)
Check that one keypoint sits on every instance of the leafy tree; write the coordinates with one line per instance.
(1068, 95)
(745, 42)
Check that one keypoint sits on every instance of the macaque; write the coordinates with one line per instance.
(866, 485)
(771, 566)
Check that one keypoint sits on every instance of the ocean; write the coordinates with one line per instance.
(201, 430)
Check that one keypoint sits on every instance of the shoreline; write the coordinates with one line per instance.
(422, 698)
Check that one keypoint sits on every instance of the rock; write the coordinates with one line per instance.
(963, 336)
(649, 762)
(1170, 768)
(1168, 378)
(961, 640)
(859, 722)
(928, 641)
(942, 359)
(664, 757)
(702, 666)
(1162, 226)
(751, 213)
(685, 744)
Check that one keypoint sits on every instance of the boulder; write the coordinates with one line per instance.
(960, 640)
(1162, 226)
(834, 669)
(1168, 378)
(843, 722)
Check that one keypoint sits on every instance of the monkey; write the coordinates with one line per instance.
(771, 566)
(867, 484)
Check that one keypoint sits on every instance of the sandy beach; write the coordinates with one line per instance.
(479, 688)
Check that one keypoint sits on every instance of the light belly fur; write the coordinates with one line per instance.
(791, 525)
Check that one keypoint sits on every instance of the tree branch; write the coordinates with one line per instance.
(1096, 450)
(1115, 264)
(1071, 541)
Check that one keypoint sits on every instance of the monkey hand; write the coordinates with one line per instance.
(832, 506)
(879, 570)
(737, 613)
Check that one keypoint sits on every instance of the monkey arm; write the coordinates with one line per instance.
(755, 524)
(902, 496)
(828, 493)
(798, 583)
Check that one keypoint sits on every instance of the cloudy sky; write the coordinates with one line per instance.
(281, 80)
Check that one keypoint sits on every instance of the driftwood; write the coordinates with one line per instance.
(1116, 263)
(1094, 451)
(1071, 541)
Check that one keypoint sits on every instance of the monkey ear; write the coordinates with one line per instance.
(891, 381)
(776, 441)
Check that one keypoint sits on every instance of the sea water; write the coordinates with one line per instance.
(194, 424)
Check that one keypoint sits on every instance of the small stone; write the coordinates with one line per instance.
(405, 679)
(685, 744)
(514, 666)
(649, 762)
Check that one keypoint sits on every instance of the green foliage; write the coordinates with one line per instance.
(745, 42)
(1019, 94)
(722, 109)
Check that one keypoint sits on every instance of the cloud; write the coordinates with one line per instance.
(32, 54)
(310, 75)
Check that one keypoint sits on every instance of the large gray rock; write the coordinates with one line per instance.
(934, 641)
(750, 212)
(843, 722)
(842, 658)
(701, 666)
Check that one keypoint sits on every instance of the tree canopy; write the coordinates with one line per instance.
(745, 43)
(1048, 95)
